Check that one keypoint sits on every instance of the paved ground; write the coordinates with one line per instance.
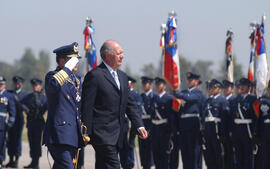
(89, 158)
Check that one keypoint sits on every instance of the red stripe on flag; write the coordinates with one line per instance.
(250, 76)
(256, 107)
(170, 71)
(176, 104)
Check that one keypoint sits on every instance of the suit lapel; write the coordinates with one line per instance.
(108, 75)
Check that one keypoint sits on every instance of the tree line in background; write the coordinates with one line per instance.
(29, 66)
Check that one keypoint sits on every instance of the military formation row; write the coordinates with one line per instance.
(13, 104)
(231, 132)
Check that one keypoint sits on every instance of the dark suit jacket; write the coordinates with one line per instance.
(104, 106)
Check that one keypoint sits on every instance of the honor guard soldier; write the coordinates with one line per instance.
(229, 155)
(238, 89)
(62, 133)
(14, 143)
(264, 129)
(189, 122)
(35, 105)
(7, 108)
(244, 122)
(129, 131)
(216, 109)
(145, 146)
(161, 130)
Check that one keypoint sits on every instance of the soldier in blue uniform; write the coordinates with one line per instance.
(14, 143)
(7, 108)
(35, 105)
(145, 146)
(127, 151)
(264, 129)
(161, 130)
(62, 133)
(215, 110)
(244, 123)
(229, 156)
(189, 122)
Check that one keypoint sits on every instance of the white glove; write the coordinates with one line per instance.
(72, 63)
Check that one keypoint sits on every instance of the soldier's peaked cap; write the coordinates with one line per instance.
(2, 80)
(36, 81)
(131, 79)
(17, 79)
(68, 50)
(192, 75)
(146, 79)
(159, 80)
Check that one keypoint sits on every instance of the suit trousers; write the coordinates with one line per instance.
(106, 157)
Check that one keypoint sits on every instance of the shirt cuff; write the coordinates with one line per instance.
(140, 128)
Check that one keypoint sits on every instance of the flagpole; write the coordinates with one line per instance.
(88, 21)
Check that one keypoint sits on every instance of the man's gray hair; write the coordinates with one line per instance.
(105, 48)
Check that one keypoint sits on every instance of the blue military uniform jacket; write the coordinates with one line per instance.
(7, 105)
(18, 97)
(192, 107)
(216, 110)
(148, 109)
(63, 125)
(264, 118)
(36, 104)
(163, 111)
(249, 116)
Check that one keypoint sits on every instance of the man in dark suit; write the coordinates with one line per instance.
(105, 100)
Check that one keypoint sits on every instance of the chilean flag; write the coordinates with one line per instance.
(89, 47)
(171, 71)
(261, 62)
(251, 60)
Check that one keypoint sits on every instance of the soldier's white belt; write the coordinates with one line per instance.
(183, 116)
(242, 121)
(146, 116)
(3, 114)
(158, 122)
(212, 119)
(267, 121)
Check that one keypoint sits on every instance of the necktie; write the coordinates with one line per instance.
(114, 74)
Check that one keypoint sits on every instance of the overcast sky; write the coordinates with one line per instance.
(202, 27)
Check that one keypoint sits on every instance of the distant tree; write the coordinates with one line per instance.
(149, 70)
(29, 66)
(185, 66)
(7, 71)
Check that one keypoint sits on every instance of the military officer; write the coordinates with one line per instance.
(216, 110)
(35, 105)
(228, 144)
(161, 131)
(127, 151)
(189, 122)
(244, 122)
(264, 129)
(14, 142)
(7, 108)
(62, 133)
(145, 146)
